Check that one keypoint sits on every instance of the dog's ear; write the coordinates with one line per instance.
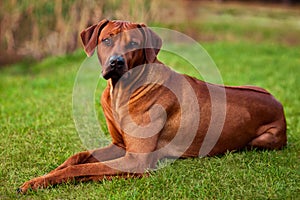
(152, 43)
(90, 36)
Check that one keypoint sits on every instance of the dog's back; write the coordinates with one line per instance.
(250, 113)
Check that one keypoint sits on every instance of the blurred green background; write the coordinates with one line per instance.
(36, 29)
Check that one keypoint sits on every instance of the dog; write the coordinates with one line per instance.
(153, 112)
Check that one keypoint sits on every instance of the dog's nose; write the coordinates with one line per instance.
(116, 61)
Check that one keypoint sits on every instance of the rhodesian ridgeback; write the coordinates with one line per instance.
(153, 112)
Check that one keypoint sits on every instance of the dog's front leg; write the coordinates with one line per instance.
(131, 164)
(99, 155)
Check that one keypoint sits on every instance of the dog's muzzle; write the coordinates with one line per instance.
(115, 67)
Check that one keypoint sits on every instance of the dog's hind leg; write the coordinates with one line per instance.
(274, 136)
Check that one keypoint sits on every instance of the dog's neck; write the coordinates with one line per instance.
(138, 82)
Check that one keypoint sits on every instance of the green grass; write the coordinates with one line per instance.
(37, 132)
(259, 47)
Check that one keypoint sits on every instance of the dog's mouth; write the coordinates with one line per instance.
(107, 74)
(113, 73)
(114, 67)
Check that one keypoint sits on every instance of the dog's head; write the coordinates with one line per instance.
(121, 46)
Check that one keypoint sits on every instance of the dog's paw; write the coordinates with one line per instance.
(19, 190)
(33, 184)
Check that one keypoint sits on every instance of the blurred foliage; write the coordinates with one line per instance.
(40, 28)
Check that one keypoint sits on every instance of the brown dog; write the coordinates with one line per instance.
(153, 112)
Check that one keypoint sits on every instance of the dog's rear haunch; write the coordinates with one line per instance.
(153, 112)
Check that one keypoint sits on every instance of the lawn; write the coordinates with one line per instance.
(37, 131)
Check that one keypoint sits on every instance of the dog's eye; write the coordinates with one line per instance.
(107, 41)
(132, 44)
